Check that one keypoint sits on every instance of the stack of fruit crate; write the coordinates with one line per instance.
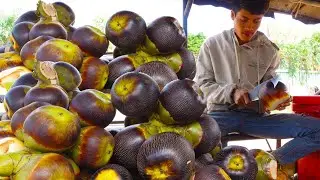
(308, 166)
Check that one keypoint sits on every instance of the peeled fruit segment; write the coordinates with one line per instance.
(166, 156)
(93, 148)
(135, 94)
(126, 29)
(51, 129)
(93, 108)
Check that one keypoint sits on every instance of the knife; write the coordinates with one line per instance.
(254, 93)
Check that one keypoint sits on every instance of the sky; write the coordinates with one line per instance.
(207, 19)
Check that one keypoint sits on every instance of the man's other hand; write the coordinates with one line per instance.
(241, 97)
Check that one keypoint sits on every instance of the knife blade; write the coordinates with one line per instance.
(254, 93)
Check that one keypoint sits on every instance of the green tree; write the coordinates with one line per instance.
(195, 41)
(303, 56)
(6, 25)
(100, 23)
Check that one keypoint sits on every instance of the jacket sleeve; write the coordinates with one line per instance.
(271, 71)
(205, 77)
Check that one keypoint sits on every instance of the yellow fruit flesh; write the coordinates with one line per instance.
(118, 23)
(140, 58)
(16, 46)
(224, 174)
(173, 60)
(236, 163)
(159, 171)
(149, 47)
(165, 116)
(108, 174)
(192, 132)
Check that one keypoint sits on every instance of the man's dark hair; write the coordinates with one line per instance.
(253, 6)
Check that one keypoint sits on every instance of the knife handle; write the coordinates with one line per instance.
(233, 106)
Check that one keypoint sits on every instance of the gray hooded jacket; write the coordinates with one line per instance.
(224, 65)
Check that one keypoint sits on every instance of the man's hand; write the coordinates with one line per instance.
(241, 97)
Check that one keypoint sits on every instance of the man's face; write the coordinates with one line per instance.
(245, 24)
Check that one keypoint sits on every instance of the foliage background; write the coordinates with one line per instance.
(6, 25)
(298, 58)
